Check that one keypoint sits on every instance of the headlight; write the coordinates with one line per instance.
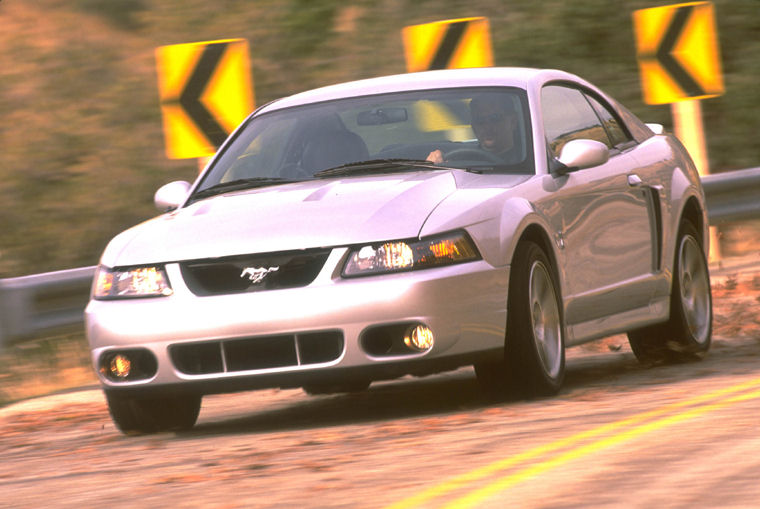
(402, 255)
(130, 283)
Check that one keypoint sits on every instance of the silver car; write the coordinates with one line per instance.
(404, 225)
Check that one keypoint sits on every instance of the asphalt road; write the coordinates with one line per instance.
(619, 434)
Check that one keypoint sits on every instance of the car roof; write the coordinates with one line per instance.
(519, 77)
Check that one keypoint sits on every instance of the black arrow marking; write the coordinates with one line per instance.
(665, 56)
(189, 99)
(449, 44)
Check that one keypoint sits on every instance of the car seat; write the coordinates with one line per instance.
(332, 148)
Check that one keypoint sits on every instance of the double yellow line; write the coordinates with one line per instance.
(555, 454)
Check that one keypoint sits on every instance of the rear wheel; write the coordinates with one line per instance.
(688, 332)
(534, 353)
(134, 414)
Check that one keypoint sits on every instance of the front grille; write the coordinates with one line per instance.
(262, 352)
(253, 273)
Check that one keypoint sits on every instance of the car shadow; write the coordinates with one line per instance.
(406, 398)
(459, 392)
(403, 398)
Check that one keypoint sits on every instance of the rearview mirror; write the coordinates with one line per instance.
(381, 116)
(581, 154)
(170, 196)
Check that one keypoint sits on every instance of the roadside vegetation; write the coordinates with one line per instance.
(81, 133)
(44, 366)
(82, 140)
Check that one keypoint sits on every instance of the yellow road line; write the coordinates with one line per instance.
(476, 497)
(477, 474)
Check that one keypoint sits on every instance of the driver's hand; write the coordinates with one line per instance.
(436, 157)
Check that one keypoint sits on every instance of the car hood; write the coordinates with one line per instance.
(317, 213)
(301, 215)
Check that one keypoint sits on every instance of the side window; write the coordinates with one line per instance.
(617, 134)
(569, 116)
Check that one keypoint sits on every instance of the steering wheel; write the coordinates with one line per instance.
(463, 154)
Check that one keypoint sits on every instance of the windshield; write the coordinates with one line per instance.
(476, 129)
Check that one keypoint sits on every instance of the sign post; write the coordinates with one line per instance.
(679, 63)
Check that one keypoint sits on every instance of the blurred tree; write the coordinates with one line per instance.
(121, 14)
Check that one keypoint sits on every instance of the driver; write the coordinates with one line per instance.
(494, 121)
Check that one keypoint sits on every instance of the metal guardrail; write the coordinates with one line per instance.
(54, 302)
(733, 195)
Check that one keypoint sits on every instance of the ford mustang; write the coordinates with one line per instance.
(406, 225)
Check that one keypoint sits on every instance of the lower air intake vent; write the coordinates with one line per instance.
(263, 352)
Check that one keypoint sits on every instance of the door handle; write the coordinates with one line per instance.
(634, 180)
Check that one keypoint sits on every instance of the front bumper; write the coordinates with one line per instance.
(464, 305)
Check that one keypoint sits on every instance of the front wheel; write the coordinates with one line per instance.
(534, 353)
(688, 332)
(135, 414)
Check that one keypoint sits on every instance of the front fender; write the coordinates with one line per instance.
(495, 218)
(687, 198)
(516, 216)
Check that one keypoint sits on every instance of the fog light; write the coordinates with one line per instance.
(120, 366)
(419, 337)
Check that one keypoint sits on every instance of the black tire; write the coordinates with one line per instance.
(534, 352)
(134, 414)
(687, 334)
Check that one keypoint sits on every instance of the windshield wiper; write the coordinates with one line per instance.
(371, 166)
(236, 185)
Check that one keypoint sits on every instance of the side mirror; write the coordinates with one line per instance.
(656, 128)
(170, 196)
(581, 154)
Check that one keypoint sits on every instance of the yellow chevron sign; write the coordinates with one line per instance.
(206, 90)
(678, 53)
(448, 44)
